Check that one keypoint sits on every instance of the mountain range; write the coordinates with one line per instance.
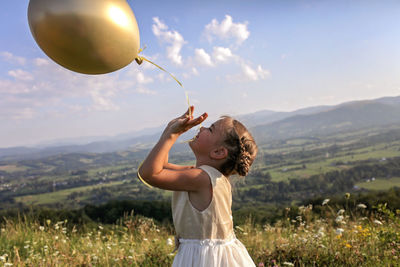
(266, 126)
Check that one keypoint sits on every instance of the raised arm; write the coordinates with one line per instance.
(153, 169)
(176, 167)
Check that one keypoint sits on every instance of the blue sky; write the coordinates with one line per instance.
(233, 57)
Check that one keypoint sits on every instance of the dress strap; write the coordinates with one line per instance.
(212, 172)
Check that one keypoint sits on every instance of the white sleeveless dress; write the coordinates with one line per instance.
(206, 238)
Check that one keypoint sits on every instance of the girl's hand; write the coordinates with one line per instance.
(185, 122)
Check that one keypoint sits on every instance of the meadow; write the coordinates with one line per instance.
(288, 173)
(338, 237)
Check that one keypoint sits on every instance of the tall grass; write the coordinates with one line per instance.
(340, 238)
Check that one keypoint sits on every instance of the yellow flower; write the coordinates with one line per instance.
(348, 245)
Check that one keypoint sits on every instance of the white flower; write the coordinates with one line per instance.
(340, 212)
(339, 219)
(41, 228)
(361, 206)
(288, 263)
(170, 242)
(8, 264)
(339, 231)
(3, 230)
(101, 227)
(378, 222)
(2, 258)
(325, 201)
(239, 228)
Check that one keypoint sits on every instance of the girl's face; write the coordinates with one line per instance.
(209, 138)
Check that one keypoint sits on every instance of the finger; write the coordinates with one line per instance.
(189, 112)
(198, 120)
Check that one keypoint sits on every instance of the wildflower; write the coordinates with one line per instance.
(170, 242)
(321, 232)
(56, 237)
(48, 222)
(3, 230)
(340, 212)
(288, 263)
(56, 227)
(8, 264)
(239, 228)
(130, 257)
(101, 227)
(41, 228)
(339, 219)
(339, 231)
(347, 195)
(378, 222)
(261, 264)
(361, 206)
(348, 245)
(325, 201)
(2, 258)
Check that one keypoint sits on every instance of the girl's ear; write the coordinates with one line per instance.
(219, 153)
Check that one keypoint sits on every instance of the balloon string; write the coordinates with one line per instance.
(140, 59)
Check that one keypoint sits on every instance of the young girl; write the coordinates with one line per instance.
(201, 203)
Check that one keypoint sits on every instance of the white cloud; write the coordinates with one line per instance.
(102, 102)
(142, 79)
(21, 75)
(249, 73)
(254, 74)
(222, 54)
(226, 30)
(48, 87)
(219, 55)
(41, 62)
(9, 57)
(145, 91)
(173, 38)
(202, 57)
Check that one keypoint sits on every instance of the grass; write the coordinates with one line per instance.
(333, 240)
(380, 184)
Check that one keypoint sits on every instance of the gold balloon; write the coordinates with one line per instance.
(86, 36)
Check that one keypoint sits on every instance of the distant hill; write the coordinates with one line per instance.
(344, 117)
(265, 125)
(268, 116)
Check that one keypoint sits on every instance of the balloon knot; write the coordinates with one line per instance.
(139, 60)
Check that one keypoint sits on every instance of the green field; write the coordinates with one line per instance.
(60, 196)
(380, 184)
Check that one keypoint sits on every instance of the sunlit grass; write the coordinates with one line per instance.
(339, 238)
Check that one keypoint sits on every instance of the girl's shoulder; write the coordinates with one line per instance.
(213, 173)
